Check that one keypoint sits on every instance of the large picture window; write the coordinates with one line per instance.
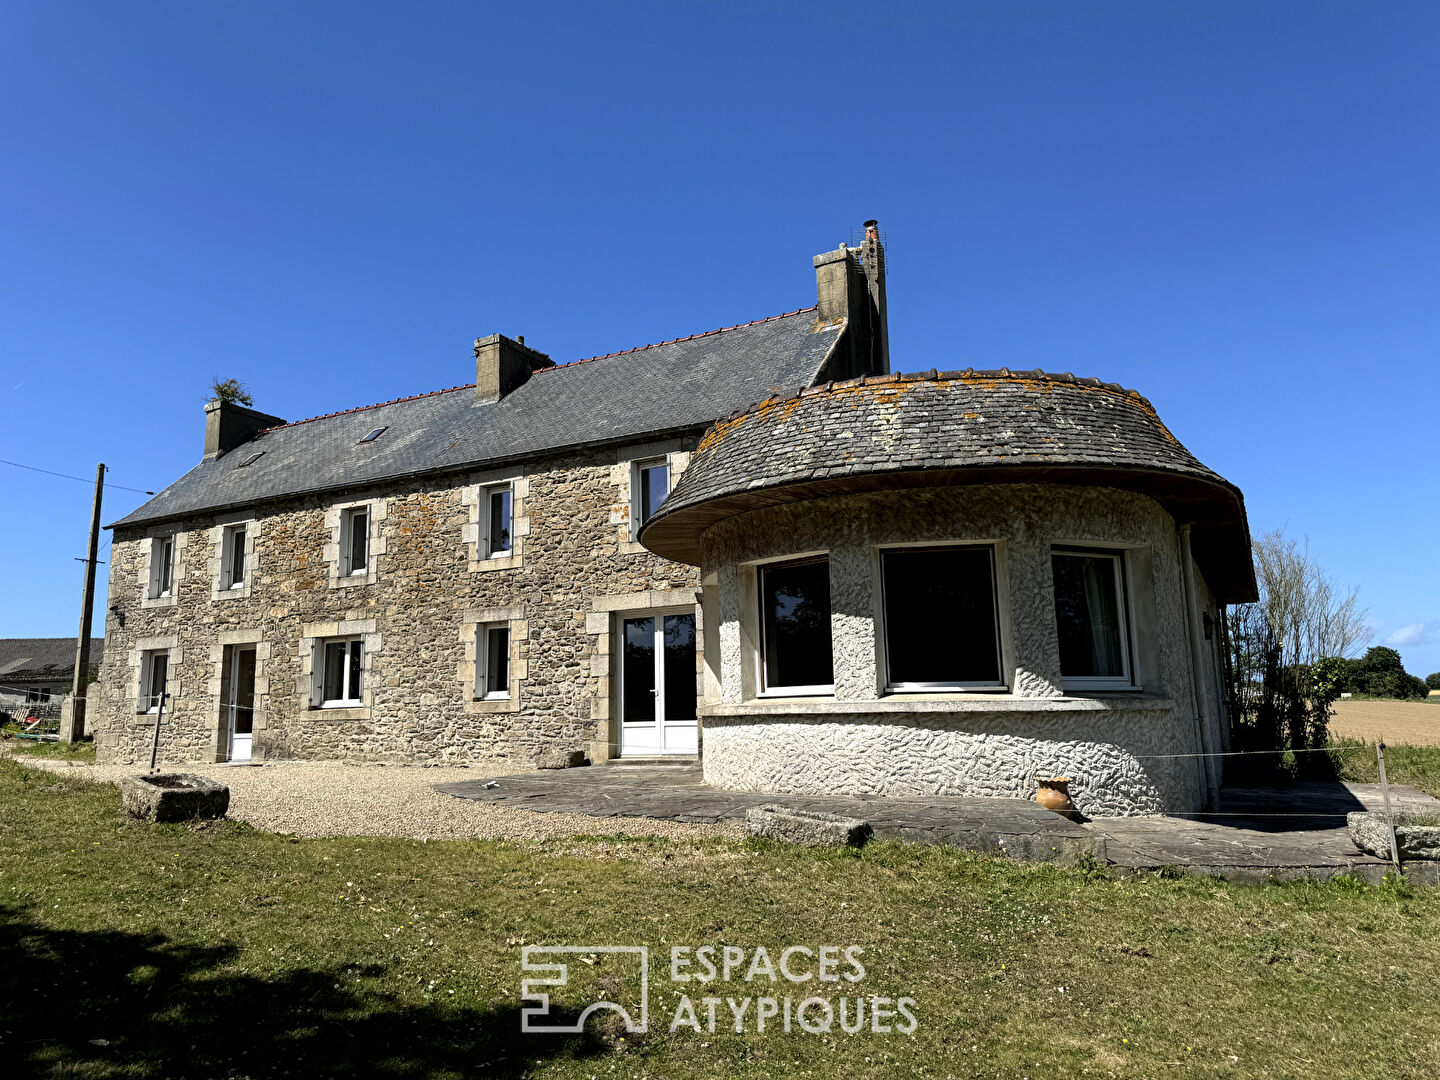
(795, 627)
(941, 628)
(1090, 617)
(341, 679)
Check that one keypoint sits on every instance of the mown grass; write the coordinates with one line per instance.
(81, 751)
(1355, 760)
(169, 951)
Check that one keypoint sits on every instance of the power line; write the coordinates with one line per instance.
(67, 476)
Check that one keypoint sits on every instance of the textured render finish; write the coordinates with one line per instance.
(961, 745)
(997, 754)
(417, 616)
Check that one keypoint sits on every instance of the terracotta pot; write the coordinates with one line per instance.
(1053, 793)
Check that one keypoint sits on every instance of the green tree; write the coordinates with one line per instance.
(1381, 673)
(1432, 681)
(231, 390)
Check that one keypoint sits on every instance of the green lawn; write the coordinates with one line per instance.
(217, 951)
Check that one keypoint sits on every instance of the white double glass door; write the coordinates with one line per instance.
(657, 685)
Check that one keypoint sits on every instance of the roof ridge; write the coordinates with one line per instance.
(568, 363)
(365, 408)
(676, 341)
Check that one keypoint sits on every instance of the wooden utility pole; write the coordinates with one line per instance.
(72, 725)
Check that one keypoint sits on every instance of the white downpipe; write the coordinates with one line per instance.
(1199, 687)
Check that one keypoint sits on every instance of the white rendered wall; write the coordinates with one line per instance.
(863, 741)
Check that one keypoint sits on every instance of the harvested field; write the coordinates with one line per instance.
(1412, 723)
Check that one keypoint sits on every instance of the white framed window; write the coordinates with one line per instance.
(795, 648)
(942, 619)
(355, 541)
(492, 662)
(162, 566)
(154, 678)
(232, 557)
(342, 672)
(1092, 618)
(649, 486)
(497, 504)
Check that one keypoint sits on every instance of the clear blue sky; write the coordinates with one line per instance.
(1230, 206)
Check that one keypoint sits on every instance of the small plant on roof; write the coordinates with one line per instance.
(231, 390)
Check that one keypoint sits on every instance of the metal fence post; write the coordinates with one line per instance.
(160, 714)
(1385, 793)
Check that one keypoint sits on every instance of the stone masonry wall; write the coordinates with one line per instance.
(574, 562)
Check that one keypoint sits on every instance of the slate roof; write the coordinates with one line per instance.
(685, 384)
(952, 427)
(42, 659)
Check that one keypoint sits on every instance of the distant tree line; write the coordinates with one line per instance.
(1380, 673)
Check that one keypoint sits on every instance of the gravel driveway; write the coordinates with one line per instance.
(339, 799)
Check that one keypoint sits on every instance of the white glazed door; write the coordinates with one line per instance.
(657, 685)
(241, 706)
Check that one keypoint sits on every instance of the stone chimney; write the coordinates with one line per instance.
(227, 425)
(850, 283)
(502, 364)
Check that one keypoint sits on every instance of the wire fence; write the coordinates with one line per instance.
(1260, 811)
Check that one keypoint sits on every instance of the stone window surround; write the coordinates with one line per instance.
(177, 566)
(218, 563)
(219, 678)
(599, 625)
(624, 474)
(312, 636)
(334, 523)
(515, 616)
(473, 497)
(871, 686)
(135, 659)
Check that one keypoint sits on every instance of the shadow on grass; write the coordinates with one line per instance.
(109, 1003)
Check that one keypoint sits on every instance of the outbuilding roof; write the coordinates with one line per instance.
(955, 427)
(673, 386)
(42, 659)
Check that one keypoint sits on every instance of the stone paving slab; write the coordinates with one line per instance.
(1255, 834)
(1016, 827)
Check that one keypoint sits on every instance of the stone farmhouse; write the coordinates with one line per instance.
(755, 545)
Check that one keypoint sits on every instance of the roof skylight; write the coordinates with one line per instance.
(251, 460)
(374, 434)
